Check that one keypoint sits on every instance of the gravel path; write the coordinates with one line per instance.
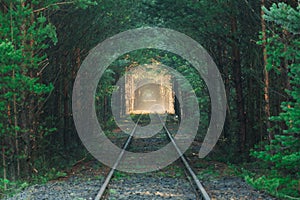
(140, 187)
(144, 187)
(231, 188)
(165, 184)
(73, 189)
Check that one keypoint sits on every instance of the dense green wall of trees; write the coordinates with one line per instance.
(43, 43)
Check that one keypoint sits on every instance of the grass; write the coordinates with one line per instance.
(118, 175)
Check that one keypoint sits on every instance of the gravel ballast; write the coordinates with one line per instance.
(140, 187)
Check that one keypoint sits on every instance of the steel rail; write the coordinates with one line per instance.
(204, 194)
(109, 176)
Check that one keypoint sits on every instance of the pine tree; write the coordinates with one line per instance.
(283, 153)
(26, 33)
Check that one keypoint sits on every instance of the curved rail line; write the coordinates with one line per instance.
(203, 194)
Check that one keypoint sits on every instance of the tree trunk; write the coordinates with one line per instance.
(17, 152)
(266, 74)
(238, 84)
(225, 71)
(285, 63)
(15, 113)
(66, 109)
(4, 168)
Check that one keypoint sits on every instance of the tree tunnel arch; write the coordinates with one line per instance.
(149, 89)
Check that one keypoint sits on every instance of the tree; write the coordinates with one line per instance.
(25, 34)
(282, 154)
(266, 73)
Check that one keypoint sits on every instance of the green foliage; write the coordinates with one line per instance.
(16, 186)
(118, 175)
(25, 80)
(279, 186)
(52, 174)
(12, 186)
(282, 154)
(112, 191)
(22, 91)
(209, 173)
(85, 3)
(26, 32)
(285, 16)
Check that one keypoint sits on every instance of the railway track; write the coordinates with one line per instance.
(195, 182)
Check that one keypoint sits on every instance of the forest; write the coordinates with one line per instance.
(255, 45)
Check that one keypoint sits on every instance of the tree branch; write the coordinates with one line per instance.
(54, 4)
